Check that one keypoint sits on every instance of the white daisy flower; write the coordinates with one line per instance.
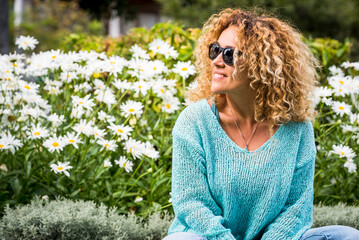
(158, 45)
(138, 52)
(72, 139)
(184, 69)
(37, 132)
(320, 91)
(107, 97)
(26, 42)
(170, 104)
(61, 168)
(171, 52)
(124, 163)
(54, 144)
(352, 167)
(83, 127)
(136, 148)
(336, 71)
(150, 151)
(349, 128)
(122, 85)
(341, 108)
(132, 108)
(98, 133)
(56, 119)
(102, 116)
(107, 144)
(138, 199)
(99, 84)
(343, 151)
(107, 163)
(85, 102)
(141, 87)
(7, 141)
(28, 87)
(121, 130)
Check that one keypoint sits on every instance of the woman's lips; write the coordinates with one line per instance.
(218, 76)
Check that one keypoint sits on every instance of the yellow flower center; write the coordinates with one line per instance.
(54, 90)
(53, 57)
(96, 75)
(25, 43)
(168, 106)
(139, 87)
(27, 87)
(341, 82)
(1, 146)
(107, 145)
(71, 141)
(120, 130)
(60, 168)
(341, 90)
(131, 110)
(15, 65)
(37, 133)
(81, 102)
(184, 69)
(341, 108)
(342, 153)
(154, 68)
(7, 71)
(158, 47)
(163, 91)
(68, 76)
(55, 144)
(124, 164)
(112, 62)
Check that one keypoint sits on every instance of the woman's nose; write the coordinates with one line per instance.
(218, 61)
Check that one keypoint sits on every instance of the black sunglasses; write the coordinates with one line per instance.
(215, 50)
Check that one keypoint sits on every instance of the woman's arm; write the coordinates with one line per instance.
(192, 201)
(297, 215)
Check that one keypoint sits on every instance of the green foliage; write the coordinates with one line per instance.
(340, 214)
(182, 40)
(330, 52)
(50, 20)
(65, 219)
(321, 18)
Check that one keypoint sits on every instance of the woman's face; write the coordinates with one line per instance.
(222, 79)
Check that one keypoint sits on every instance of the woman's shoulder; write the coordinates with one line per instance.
(192, 115)
(194, 110)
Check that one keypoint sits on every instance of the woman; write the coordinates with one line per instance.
(243, 156)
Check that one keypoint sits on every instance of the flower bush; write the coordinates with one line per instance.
(336, 131)
(85, 125)
(97, 125)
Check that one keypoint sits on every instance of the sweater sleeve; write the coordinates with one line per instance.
(193, 203)
(296, 217)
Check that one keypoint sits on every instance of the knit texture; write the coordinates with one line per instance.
(222, 191)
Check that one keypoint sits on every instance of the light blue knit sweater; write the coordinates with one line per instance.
(222, 191)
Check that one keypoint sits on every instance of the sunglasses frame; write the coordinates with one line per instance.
(221, 50)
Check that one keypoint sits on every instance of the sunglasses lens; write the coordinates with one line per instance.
(228, 56)
(214, 50)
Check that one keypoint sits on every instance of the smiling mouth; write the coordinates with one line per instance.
(216, 75)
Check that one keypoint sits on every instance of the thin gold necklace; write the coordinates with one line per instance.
(246, 144)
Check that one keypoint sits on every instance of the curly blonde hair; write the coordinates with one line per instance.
(281, 68)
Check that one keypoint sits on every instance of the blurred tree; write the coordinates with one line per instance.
(105, 9)
(321, 18)
(4, 27)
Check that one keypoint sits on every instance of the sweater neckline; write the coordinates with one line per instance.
(230, 141)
